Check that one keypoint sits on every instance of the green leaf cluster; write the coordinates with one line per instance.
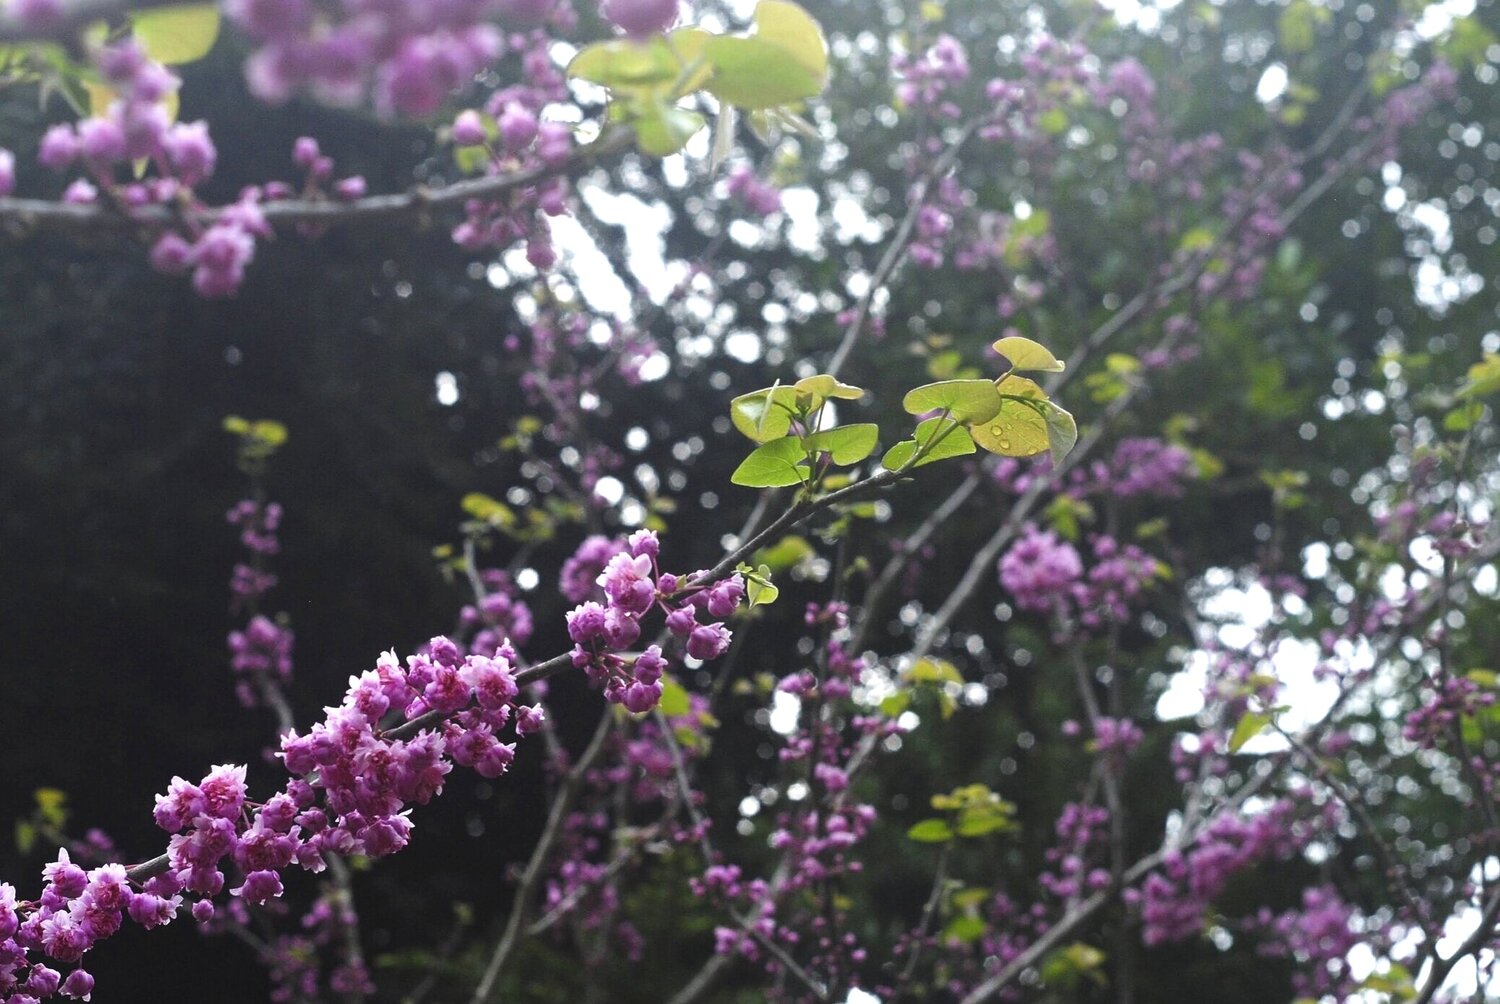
(1011, 416)
(970, 811)
(782, 418)
(769, 72)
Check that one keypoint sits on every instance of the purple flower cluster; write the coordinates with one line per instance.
(258, 523)
(1447, 701)
(926, 79)
(513, 115)
(1318, 936)
(1142, 466)
(1174, 901)
(76, 909)
(262, 649)
(407, 55)
(500, 616)
(757, 196)
(350, 795)
(294, 959)
(579, 580)
(219, 253)
(136, 128)
(1040, 569)
(1121, 572)
(818, 849)
(633, 585)
(1082, 832)
(261, 652)
(640, 17)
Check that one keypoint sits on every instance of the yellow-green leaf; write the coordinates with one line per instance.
(754, 73)
(788, 26)
(965, 400)
(764, 415)
(847, 444)
(1019, 429)
(955, 441)
(1024, 354)
(931, 831)
(175, 35)
(1247, 728)
(825, 386)
(666, 129)
(776, 464)
(675, 701)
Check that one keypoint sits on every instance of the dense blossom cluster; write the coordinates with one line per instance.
(1142, 466)
(404, 55)
(1174, 900)
(633, 585)
(1040, 570)
(1319, 936)
(350, 794)
(1045, 574)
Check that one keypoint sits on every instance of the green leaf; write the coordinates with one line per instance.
(625, 64)
(754, 73)
(824, 386)
(1464, 417)
(1024, 354)
(982, 824)
(269, 432)
(969, 899)
(1062, 432)
(52, 806)
(849, 444)
(955, 442)
(675, 701)
(176, 35)
(25, 836)
(895, 704)
(764, 415)
(965, 929)
(1023, 426)
(793, 29)
(1483, 378)
(665, 129)
(1247, 728)
(772, 465)
(786, 553)
(488, 510)
(1066, 966)
(931, 831)
(759, 589)
(688, 43)
(934, 671)
(965, 400)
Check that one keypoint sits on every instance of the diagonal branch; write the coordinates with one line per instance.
(414, 203)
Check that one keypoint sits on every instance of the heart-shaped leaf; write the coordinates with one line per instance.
(776, 464)
(965, 400)
(1024, 354)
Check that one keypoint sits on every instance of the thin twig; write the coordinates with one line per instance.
(561, 806)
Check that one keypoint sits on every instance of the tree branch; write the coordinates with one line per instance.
(417, 201)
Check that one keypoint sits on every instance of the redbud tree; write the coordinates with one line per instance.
(539, 500)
